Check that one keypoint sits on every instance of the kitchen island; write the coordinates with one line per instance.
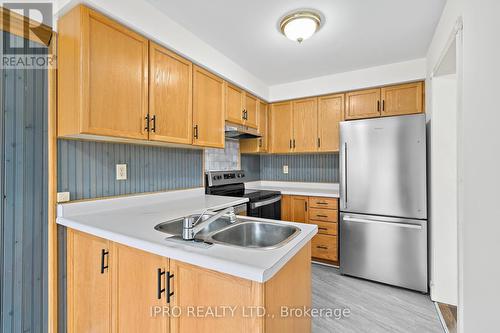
(123, 275)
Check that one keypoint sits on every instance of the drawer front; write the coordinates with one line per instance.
(324, 247)
(320, 202)
(326, 228)
(325, 215)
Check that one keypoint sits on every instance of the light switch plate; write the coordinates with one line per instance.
(285, 169)
(121, 172)
(62, 197)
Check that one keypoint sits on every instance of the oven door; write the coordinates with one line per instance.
(269, 208)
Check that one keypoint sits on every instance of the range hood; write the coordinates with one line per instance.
(234, 131)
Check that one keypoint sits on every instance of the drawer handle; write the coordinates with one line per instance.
(321, 216)
(322, 247)
(322, 203)
(321, 228)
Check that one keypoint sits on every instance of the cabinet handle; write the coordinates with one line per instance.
(146, 128)
(383, 105)
(153, 119)
(321, 216)
(196, 131)
(160, 276)
(378, 106)
(169, 292)
(104, 260)
(319, 142)
(243, 114)
(260, 142)
(290, 143)
(293, 143)
(305, 204)
(322, 247)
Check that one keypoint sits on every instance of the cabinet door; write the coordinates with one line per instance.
(330, 114)
(281, 127)
(138, 280)
(234, 104)
(299, 209)
(263, 123)
(208, 109)
(115, 78)
(170, 96)
(286, 207)
(402, 99)
(89, 283)
(305, 125)
(197, 287)
(251, 115)
(362, 104)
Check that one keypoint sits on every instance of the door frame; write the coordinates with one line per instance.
(456, 38)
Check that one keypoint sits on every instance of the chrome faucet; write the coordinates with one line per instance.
(190, 227)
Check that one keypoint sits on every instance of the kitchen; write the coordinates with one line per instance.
(305, 174)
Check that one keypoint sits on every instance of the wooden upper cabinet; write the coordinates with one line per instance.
(89, 283)
(362, 104)
(259, 145)
(234, 104)
(281, 127)
(208, 109)
(251, 111)
(330, 114)
(305, 125)
(139, 278)
(170, 96)
(402, 99)
(102, 77)
(263, 127)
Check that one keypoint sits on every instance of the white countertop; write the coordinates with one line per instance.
(131, 220)
(296, 188)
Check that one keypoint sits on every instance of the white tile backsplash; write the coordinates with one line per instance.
(223, 159)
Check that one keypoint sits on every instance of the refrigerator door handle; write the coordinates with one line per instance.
(345, 174)
(393, 224)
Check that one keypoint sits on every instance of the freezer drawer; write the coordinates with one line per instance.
(384, 249)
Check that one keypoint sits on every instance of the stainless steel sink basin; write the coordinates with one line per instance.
(254, 234)
(174, 227)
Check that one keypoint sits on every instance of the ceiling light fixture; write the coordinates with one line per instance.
(300, 25)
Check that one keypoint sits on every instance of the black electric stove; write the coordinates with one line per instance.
(262, 203)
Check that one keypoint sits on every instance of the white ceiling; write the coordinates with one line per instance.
(356, 34)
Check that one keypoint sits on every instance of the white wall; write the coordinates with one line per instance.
(443, 207)
(146, 19)
(369, 77)
(479, 167)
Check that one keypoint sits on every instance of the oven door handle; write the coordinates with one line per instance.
(258, 204)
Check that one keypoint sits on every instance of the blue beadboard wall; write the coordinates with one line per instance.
(23, 182)
(318, 168)
(87, 169)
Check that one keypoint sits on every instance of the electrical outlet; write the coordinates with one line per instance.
(121, 172)
(62, 197)
(285, 169)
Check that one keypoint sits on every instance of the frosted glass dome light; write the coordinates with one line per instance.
(300, 26)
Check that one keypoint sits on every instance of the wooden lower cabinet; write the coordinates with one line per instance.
(125, 290)
(88, 283)
(324, 247)
(323, 212)
(136, 290)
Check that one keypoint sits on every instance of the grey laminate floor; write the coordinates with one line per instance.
(374, 307)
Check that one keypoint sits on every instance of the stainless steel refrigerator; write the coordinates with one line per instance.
(383, 200)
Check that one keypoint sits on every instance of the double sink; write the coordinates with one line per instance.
(243, 233)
